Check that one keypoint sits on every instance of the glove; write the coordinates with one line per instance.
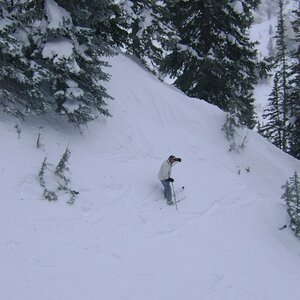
(170, 180)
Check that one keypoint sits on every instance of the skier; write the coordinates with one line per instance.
(164, 176)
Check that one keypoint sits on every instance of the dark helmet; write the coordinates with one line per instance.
(173, 158)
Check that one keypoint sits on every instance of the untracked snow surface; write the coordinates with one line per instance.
(120, 240)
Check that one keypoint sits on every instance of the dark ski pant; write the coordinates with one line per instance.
(167, 189)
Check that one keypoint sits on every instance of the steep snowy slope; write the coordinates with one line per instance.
(120, 240)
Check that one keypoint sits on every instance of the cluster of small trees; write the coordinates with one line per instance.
(56, 182)
(282, 115)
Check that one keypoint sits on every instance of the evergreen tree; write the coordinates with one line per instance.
(273, 128)
(291, 196)
(214, 59)
(150, 34)
(105, 16)
(230, 128)
(20, 77)
(55, 183)
(283, 113)
(281, 64)
(62, 165)
(295, 91)
(57, 61)
(114, 30)
(137, 12)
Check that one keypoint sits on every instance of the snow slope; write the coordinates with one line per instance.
(120, 240)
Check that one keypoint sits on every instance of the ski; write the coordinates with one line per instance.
(177, 200)
(177, 192)
(180, 199)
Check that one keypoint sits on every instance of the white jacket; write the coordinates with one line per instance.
(165, 170)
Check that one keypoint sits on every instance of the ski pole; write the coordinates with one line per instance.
(174, 195)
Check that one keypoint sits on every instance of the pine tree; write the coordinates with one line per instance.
(114, 30)
(136, 24)
(56, 183)
(281, 64)
(295, 91)
(137, 11)
(37, 77)
(105, 16)
(19, 76)
(273, 128)
(230, 129)
(214, 59)
(151, 35)
(291, 196)
(283, 113)
(62, 165)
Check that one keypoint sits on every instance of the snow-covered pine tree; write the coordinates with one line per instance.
(287, 196)
(114, 30)
(273, 127)
(215, 59)
(59, 61)
(48, 194)
(137, 13)
(77, 88)
(295, 91)
(62, 165)
(281, 66)
(63, 181)
(42, 173)
(230, 128)
(291, 196)
(282, 115)
(20, 77)
(106, 16)
(150, 34)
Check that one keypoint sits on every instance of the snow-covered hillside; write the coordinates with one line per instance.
(120, 240)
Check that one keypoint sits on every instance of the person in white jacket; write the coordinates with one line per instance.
(164, 175)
